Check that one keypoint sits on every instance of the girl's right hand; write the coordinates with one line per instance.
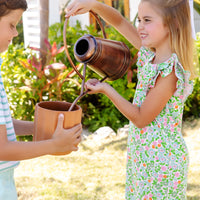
(77, 7)
(95, 86)
(66, 140)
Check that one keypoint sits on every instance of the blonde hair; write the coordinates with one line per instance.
(176, 16)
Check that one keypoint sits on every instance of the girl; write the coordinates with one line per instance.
(157, 160)
(63, 140)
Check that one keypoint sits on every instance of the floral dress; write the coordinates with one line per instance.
(157, 156)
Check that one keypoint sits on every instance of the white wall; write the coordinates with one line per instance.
(197, 21)
(31, 21)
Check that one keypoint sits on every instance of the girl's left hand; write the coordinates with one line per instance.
(95, 86)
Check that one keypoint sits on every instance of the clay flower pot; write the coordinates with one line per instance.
(46, 118)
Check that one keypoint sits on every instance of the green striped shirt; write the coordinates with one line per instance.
(5, 119)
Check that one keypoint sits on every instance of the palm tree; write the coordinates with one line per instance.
(44, 27)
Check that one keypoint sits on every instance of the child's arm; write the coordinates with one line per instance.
(23, 127)
(63, 140)
(153, 104)
(110, 15)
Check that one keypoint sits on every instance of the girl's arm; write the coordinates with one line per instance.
(23, 127)
(63, 140)
(153, 104)
(110, 15)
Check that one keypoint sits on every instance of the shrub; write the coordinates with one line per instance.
(192, 105)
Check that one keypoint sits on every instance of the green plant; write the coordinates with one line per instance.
(22, 102)
(49, 77)
(197, 5)
(192, 105)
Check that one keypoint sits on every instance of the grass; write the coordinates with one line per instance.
(95, 172)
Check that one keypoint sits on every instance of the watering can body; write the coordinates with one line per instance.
(107, 58)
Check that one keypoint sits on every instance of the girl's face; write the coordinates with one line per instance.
(8, 29)
(152, 31)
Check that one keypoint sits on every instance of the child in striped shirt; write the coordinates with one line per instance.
(11, 151)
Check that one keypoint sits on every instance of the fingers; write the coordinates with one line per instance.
(73, 9)
(77, 130)
(60, 122)
(93, 85)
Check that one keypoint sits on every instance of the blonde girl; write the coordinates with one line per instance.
(157, 157)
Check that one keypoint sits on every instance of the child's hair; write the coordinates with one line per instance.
(8, 5)
(176, 16)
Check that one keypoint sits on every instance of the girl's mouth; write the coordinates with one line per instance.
(143, 36)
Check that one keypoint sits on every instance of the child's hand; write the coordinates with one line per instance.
(95, 86)
(66, 140)
(79, 7)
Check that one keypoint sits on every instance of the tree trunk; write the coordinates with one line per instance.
(126, 9)
(44, 27)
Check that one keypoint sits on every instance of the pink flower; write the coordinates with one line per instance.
(137, 137)
(142, 141)
(159, 179)
(177, 174)
(181, 96)
(175, 183)
(175, 187)
(159, 141)
(150, 195)
(147, 148)
(137, 152)
(154, 143)
(164, 168)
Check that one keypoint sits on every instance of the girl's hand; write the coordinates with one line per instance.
(95, 86)
(79, 7)
(66, 140)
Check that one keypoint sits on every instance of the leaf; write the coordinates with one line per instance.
(47, 44)
(37, 64)
(26, 65)
(54, 49)
(56, 66)
(38, 49)
(61, 50)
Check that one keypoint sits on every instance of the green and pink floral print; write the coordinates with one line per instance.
(157, 156)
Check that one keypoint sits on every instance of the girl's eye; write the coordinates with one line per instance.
(147, 20)
(138, 20)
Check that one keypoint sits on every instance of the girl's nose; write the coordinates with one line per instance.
(140, 26)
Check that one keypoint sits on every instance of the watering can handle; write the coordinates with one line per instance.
(65, 41)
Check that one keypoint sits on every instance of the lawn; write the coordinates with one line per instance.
(95, 172)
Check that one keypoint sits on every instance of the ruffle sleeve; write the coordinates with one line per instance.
(184, 84)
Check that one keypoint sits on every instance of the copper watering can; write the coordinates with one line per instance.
(109, 59)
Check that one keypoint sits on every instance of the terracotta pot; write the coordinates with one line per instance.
(46, 118)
